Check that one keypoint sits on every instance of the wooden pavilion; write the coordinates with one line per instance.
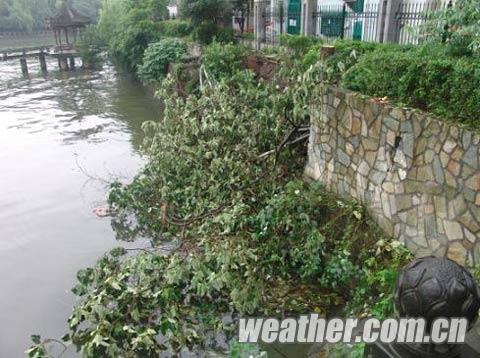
(67, 24)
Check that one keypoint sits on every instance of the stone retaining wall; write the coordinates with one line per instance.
(418, 176)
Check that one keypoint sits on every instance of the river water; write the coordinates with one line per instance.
(62, 136)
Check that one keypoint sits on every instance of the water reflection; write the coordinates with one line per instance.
(54, 130)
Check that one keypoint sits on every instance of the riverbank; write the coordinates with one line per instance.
(223, 181)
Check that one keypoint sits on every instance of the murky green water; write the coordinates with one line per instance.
(58, 134)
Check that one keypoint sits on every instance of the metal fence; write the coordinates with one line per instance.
(357, 21)
(345, 22)
(277, 22)
(410, 16)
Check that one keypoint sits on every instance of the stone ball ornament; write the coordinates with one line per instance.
(433, 287)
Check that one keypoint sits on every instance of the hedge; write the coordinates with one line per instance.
(421, 77)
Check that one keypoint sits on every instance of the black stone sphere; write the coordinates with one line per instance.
(432, 287)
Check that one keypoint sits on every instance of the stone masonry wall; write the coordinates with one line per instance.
(418, 176)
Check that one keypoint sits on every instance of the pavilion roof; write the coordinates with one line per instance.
(68, 16)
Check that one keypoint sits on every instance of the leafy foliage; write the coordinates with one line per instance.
(444, 85)
(89, 47)
(129, 26)
(28, 15)
(157, 57)
(299, 44)
(457, 26)
(223, 60)
(206, 11)
(176, 28)
(245, 350)
(268, 263)
(207, 32)
(37, 350)
(249, 236)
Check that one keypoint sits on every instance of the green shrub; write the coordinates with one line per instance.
(225, 35)
(129, 27)
(457, 26)
(347, 53)
(89, 47)
(223, 60)
(176, 28)
(253, 238)
(206, 32)
(312, 56)
(157, 57)
(128, 47)
(248, 36)
(206, 11)
(444, 85)
(377, 74)
(299, 44)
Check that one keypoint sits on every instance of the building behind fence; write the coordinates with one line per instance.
(396, 21)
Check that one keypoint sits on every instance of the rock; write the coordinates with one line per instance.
(356, 125)
(453, 230)
(406, 127)
(343, 157)
(457, 253)
(404, 202)
(440, 204)
(457, 153)
(454, 132)
(389, 187)
(469, 222)
(429, 155)
(400, 158)
(476, 253)
(408, 141)
(466, 139)
(377, 176)
(391, 137)
(474, 182)
(454, 167)
(391, 123)
(449, 146)
(370, 144)
(430, 226)
(471, 157)
(438, 171)
(363, 168)
(459, 205)
(470, 237)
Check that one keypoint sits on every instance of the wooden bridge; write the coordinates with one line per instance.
(64, 54)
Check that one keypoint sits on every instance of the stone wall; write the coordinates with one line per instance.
(418, 176)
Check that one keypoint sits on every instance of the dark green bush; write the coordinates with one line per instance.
(89, 47)
(128, 27)
(206, 11)
(128, 47)
(347, 53)
(206, 32)
(299, 44)
(223, 60)
(458, 27)
(421, 77)
(225, 35)
(157, 57)
(176, 28)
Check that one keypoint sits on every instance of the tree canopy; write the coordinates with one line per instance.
(30, 15)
